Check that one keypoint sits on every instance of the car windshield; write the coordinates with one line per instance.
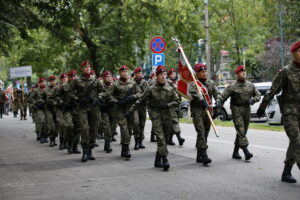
(263, 89)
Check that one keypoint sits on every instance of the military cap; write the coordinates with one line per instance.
(199, 67)
(42, 79)
(106, 73)
(138, 69)
(171, 71)
(240, 69)
(51, 78)
(85, 63)
(92, 72)
(63, 75)
(72, 72)
(160, 69)
(295, 47)
(123, 67)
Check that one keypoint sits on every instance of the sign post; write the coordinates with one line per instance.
(158, 46)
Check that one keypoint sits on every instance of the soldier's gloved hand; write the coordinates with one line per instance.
(203, 104)
(85, 100)
(95, 101)
(219, 104)
(252, 101)
(129, 99)
(260, 112)
(163, 106)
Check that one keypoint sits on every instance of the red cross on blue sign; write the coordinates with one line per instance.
(158, 44)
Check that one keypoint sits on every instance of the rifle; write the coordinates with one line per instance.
(195, 81)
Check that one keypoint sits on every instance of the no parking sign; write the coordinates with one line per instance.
(157, 46)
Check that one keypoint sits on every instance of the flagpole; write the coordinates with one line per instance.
(195, 81)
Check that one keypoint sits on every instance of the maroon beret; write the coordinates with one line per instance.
(123, 67)
(138, 69)
(42, 79)
(295, 47)
(51, 78)
(152, 75)
(72, 72)
(240, 69)
(106, 73)
(160, 69)
(199, 67)
(85, 63)
(92, 72)
(63, 75)
(171, 71)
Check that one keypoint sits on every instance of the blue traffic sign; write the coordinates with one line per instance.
(158, 59)
(158, 44)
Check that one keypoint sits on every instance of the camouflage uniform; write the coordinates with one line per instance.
(241, 94)
(153, 138)
(123, 94)
(86, 90)
(51, 115)
(2, 102)
(288, 81)
(140, 116)
(200, 118)
(18, 103)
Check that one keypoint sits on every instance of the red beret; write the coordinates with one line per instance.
(295, 47)
(63, 75)
(51, 78)
(72, 72)
(152, 75)
(92, 72)
(42, 79)
(199, 67)
(106, 73)
(160, 69)
(123, 67)
(240, 69)
(171, 71)
(138, 69)
(84, 63)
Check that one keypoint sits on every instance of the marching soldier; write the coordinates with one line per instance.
(86, 90)
(151, 81)
(287, 81)
(141, 111)
(198, 110)
(243, 94)
(2, 100)
(50, 111)
(107, 112)
(175, 111)
(160, 98)
(123, 94)
(18, 103)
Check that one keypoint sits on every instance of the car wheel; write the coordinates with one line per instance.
(183, 113)
(223, 115)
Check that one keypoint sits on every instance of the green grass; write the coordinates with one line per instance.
(258, 126)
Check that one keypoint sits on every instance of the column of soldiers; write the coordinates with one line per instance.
(75, 107)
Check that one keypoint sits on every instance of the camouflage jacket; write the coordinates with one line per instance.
(143, 85)
(212, 92)
(18, 97)
(38, 98)
(51, 102)
(2, 96)
(120, 90)
(241, 93)
(287, 81)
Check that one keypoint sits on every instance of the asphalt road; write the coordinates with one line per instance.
(29, 170)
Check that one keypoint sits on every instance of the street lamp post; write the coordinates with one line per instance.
(207, 44)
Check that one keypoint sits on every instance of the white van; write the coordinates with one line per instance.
(274, 116)
(226, 114)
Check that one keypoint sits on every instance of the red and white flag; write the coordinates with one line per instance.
(185, 78)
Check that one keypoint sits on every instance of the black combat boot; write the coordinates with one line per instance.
(38, 137)
(165, 163)
(25, 118)
(248, 155)
(51, 144)
(298, 165)
(125, 151)
(54, 142)
(46, 140)
(206, 159)
(236, 154)
(65, 146)
(141, 145)
(180, 139)
(84, 155)
(70, 150)
(158, 161)
(61, 140)
(75, 149)
(21, 118)
(137, 143)
(113, 139)
(287, 174)
(90, 154)
(107, 146)
(15, 114)
(171, 140)
(153, 139)
(199, 158)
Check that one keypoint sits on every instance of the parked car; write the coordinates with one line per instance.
(184, 108)
(274, 116)
(226, 114)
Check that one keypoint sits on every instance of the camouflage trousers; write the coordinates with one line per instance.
(241, 120)
(59, 121)
(139, 121)
(1, 109)
(175, 121)
(292, 128)
(122, 119)
(162, 125)
(88, 118)
(107, 125)
(202, 126)
(50, 121)
(71, 130)
(40, 123)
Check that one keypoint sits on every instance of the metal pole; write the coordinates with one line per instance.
(207, 44)
(281, 35)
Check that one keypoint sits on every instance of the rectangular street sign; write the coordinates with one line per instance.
(17, 72)
(158, 59)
